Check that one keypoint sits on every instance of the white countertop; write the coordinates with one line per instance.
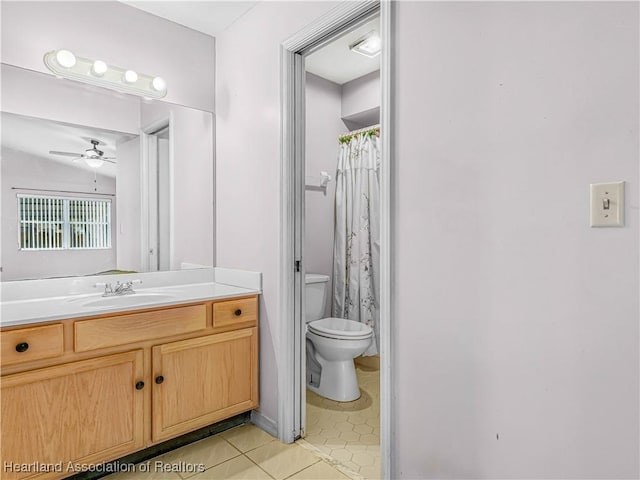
(38, 310)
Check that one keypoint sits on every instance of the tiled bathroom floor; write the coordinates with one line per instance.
(244, 452)
(349, 432)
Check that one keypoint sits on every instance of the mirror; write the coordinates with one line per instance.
(95, 181)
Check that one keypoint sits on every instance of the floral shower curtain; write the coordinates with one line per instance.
(356, 281)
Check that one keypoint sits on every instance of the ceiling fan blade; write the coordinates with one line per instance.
(108, 158)
(110, 161)
(66, 154)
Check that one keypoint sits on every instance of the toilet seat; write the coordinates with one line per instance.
(340, 329)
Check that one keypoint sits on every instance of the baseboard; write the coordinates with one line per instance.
(265, 423)
(153, 451)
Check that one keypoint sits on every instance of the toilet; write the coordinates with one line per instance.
(332, 344)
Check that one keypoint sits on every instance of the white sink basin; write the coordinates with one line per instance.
(128, 300)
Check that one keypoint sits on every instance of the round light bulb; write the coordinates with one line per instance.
(94, 162)
(65, 58)
(158, 84)
(99, 68)
(130, 76)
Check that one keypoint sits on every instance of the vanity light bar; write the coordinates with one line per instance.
(64, 63)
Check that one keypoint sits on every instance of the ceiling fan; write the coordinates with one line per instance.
(92, 156)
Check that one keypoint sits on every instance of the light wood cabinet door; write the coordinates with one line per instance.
(202, 380)
(83, 412)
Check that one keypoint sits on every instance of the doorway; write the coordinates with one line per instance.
(156, 190)
(159, 181)
(292, 361)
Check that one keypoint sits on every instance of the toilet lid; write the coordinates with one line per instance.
(340, 328)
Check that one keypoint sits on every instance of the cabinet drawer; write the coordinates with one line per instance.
(33, 343)
(233, 312)
(135, 327)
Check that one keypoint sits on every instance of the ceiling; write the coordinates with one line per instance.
(36, 136)
(335, 62)
(210, 17)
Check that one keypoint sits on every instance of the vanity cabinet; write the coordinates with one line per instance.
(98, 388)
(203, 380)
(96, 399)
(27, 344)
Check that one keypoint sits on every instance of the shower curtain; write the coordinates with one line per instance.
(356, 280)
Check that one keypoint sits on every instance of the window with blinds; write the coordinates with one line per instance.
(58, 223)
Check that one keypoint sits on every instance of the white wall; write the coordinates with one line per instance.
(248, 159)
(24, 171)
(39, 95)
(192, 182)
(361, 101)
(117, 34)
(128, 228)
(515, 324)
(323, 126)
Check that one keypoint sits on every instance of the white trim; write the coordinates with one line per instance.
(172, 190)
(386, 243)
(264, 423)
(144, 197)
(305, 41)
(145, 132)
(286, 274)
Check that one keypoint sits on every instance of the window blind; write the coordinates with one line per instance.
(58, 223)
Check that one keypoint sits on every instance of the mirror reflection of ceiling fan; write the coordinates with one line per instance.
(92, 156)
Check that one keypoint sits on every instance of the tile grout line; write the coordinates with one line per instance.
(330, 460)
(212, 466)
(251, 449)
(257, 465)
(318, 460)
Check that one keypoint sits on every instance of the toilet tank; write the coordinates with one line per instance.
(315, 295)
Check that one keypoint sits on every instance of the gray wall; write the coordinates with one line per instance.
(117, 34)
(248, 160)
(515, 324)
(361, 101)
(323, 126)
(192, 181)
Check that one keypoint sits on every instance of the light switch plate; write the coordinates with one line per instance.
(607, 204)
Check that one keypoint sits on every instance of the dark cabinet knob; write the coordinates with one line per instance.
(22, 347)
(139, 385)
(159, 379)
(237, 313)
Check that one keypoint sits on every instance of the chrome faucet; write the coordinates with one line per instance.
(125, 288)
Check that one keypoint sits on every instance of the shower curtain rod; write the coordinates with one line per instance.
(348, 136)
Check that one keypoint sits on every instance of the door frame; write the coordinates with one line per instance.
(291, 354)
(146, 132)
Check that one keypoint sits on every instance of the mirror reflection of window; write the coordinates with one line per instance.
(92, 150)
(58, 198)
(59, 223)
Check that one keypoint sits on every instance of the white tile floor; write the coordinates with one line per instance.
(244, 452)
(349, 432)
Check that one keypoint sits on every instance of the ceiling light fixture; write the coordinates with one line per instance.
(65, 64)
(370, 45)
(94, 162)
